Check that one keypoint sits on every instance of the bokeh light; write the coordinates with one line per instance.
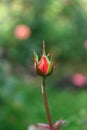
(22, 32)
(85, 44)
(78, 79)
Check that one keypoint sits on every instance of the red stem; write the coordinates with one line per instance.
(46, 103)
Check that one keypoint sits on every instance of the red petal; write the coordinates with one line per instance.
(43, 65)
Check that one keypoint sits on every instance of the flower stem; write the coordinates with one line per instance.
(46, 103)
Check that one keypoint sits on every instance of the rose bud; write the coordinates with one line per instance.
(44, 66)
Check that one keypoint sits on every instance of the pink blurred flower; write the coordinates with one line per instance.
(85, 44)
(78, 79)
(22, 31)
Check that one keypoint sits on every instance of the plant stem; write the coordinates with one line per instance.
(46, 103)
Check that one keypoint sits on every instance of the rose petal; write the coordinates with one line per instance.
(38, 127)
(43, 65)
(59, 123)
(44, 125)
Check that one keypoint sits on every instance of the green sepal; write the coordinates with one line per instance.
(35, 57)
(51, 66)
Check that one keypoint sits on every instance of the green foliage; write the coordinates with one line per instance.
(61, 23)
(21, 105)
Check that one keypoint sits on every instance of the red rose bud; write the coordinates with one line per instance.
(45, 66)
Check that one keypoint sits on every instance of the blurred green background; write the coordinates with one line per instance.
(24, 24)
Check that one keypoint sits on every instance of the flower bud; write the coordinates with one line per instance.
(44, 66)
